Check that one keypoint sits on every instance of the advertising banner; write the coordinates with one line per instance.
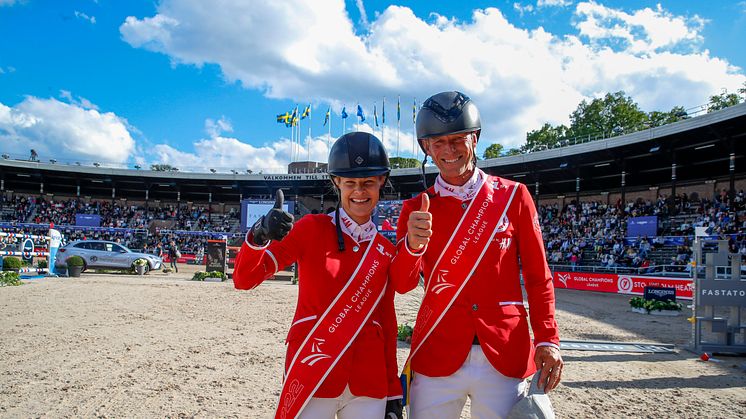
(88, 220)
(642, 226)
(620, 284)
(216, 256)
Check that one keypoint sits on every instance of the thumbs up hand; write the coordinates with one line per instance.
(275, 225)
(419, 225)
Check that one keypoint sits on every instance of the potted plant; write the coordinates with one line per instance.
(42, 264)
(75, 265)
(11, 264)
(9, 278)
(141, 266)
(655, 307)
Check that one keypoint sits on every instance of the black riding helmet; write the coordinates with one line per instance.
(356, 155)
(447, 113)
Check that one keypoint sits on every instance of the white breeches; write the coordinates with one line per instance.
(346, 406)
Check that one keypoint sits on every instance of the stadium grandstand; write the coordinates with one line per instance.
(687, 174)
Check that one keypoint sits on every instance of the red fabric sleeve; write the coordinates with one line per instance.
(390, 337)
(406, 266)
(537, 278)
(254, 264)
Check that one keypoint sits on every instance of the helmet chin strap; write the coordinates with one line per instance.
(340, 237)
(424, 178)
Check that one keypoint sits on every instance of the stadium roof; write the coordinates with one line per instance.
(701, 148)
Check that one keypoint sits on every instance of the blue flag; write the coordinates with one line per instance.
(344, 112)
(383, 112)
(360, 113)
(326, 118)
(398, 109)
(375, 115)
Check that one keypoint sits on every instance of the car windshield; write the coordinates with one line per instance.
(111, 247)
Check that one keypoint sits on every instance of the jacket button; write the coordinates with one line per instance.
(464, 205)
(475, 307)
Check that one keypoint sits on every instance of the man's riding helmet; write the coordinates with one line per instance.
(447, 113)
(358, 155)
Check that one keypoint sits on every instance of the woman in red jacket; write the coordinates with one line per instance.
(341, 347)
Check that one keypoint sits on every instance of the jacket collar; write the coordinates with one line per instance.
(465, 192)
(359, 233)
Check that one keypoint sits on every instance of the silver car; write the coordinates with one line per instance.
(104, 254)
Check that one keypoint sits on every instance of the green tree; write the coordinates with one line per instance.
(403, 162)
(493, 151)
(513, 152)
(163, 168)
(615, 113)
(658, 118)
(723, 101)
(545, 137)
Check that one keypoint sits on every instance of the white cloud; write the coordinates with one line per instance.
(553, 3)
(519, 78)
(361, 10)
(77, 101)
(81, 15)
(522, 9)
(9, 2)
(216, 128)
(64, 131)
(643, 31)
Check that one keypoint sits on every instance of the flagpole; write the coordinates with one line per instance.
(383, 120)
(308, 144)
(414, 131)
(398, 125)
(329, 138)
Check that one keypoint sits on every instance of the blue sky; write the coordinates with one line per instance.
(198, 84)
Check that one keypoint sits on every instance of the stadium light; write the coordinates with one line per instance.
(563, 165)
(234, 172)
(702, 147)
(6, 157)
(138, 167)
(212, 170)
(655, 148)
(97, 164)
(602, 164)
(53, 161)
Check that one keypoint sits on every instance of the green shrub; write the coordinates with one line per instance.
(42, 263)
(10, 279)
(11, 263)
(200, 276)
(405, 332)
(654, 305)
(74, 261)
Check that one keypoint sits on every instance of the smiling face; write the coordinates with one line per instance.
(359, 195)
(454, 156)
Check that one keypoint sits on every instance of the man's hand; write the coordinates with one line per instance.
(419, 225)
(393, 409)
(548, 358)
(275, 225)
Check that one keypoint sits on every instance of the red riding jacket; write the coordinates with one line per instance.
(369, 365)
(491, 304)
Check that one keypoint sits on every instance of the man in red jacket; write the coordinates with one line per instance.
(466, 234)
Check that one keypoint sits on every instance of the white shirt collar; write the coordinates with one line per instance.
(465, 192)
(359, 233)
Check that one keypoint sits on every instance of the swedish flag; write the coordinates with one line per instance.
(344, 112)
(306, 112)
(283, 118)
(375, 115)
(328, 113)
(414, 111)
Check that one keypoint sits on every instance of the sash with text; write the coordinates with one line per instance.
(335, 331)
(458, 261)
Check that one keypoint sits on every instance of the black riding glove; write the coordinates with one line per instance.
(275, 225)
(393, 409)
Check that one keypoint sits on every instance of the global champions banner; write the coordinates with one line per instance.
(620, 284)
